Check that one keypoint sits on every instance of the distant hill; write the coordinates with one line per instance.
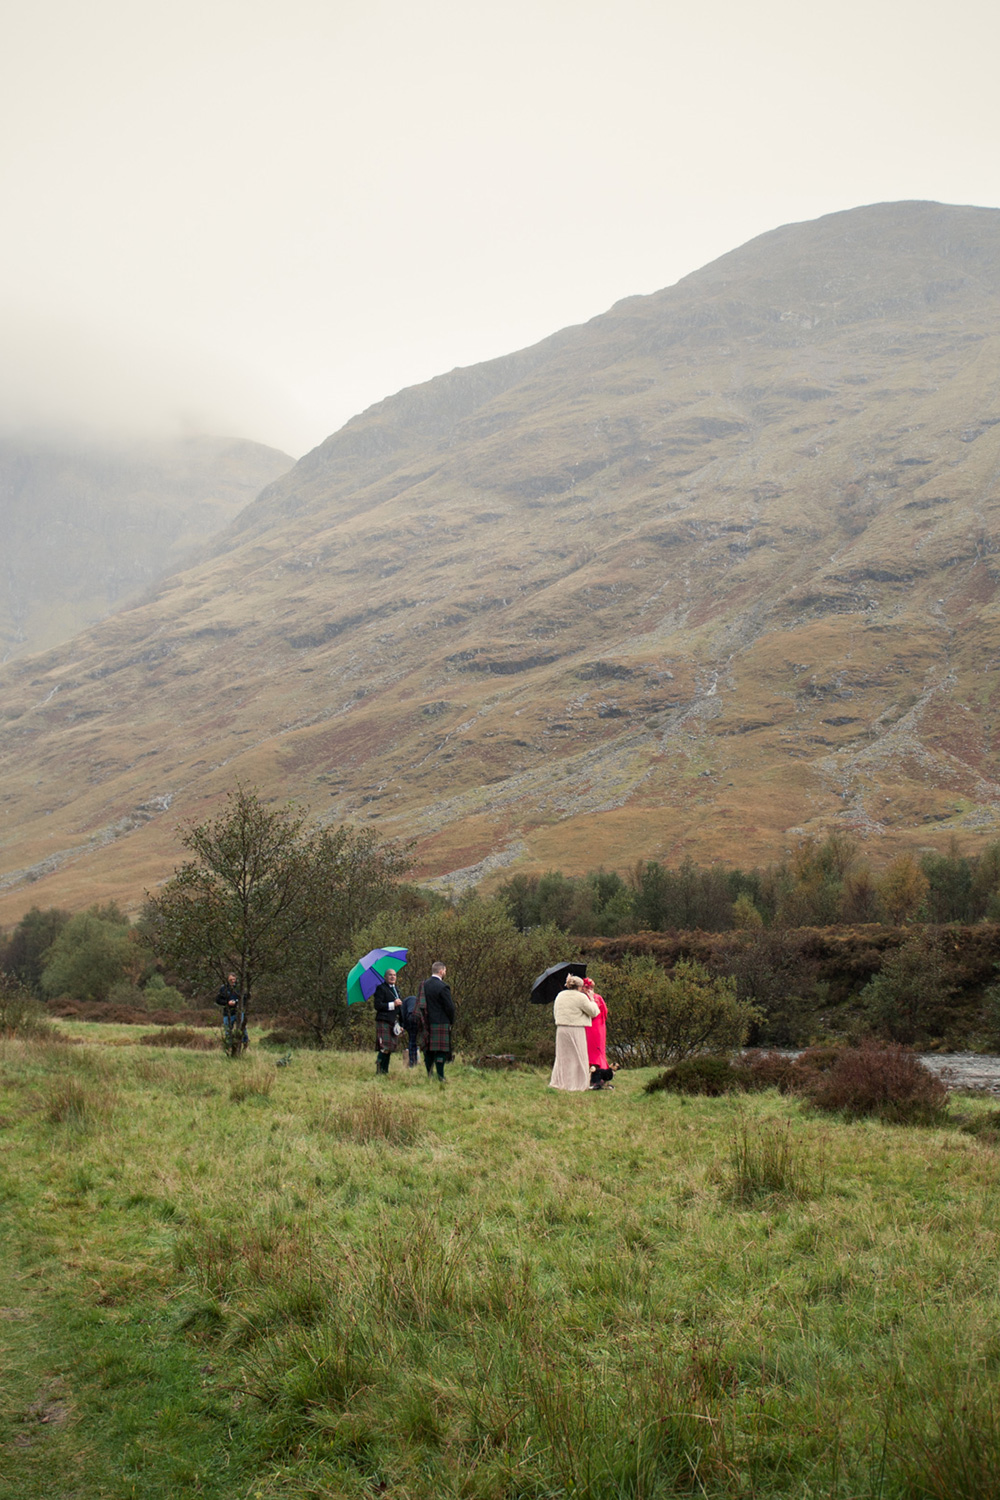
(88, 526)
(710, 573)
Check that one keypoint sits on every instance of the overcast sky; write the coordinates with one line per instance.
(261, 216)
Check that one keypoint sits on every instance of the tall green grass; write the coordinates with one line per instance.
(332, 1286)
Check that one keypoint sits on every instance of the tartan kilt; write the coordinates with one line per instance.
(384, 1039)
(438, 1037)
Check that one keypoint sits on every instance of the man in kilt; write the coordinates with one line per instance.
(438, 1015)
(388, 1020)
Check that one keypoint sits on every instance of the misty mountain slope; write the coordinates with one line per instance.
(713, 570)
(89, 525)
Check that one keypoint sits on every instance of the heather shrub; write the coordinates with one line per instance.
(770, 1070)
(889, 1083)
(698, 1075)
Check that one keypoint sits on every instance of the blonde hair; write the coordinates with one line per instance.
(573, 981)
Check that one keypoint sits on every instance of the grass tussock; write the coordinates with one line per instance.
(252, 1080)
(77, 1105)
(764, 1162)
(374, 1119)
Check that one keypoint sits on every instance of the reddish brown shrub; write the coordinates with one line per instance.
(180, 1036)
(820, 1059)
(771, 1070)
(890, 1083)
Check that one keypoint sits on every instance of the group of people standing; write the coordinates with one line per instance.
(426, 1019)
(581, 1038)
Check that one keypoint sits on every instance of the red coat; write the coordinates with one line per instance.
(597, 1033)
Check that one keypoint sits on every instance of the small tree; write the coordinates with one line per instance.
(907, 997)
(241, 901)
(660, 1017)
(349, 876)
(902, 888)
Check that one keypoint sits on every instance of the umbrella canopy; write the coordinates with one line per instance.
(547, 986)
(368, 973)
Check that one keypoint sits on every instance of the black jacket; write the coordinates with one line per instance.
(381, 998)
(227, 994)
(440, 1005)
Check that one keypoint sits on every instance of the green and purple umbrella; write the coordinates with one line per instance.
(368, 973)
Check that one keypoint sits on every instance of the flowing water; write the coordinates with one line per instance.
(965, 1070)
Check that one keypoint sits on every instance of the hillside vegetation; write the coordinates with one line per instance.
(706, 575)
(89, 525)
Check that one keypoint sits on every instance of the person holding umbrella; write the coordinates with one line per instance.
(388, 1020)
(573, 1011)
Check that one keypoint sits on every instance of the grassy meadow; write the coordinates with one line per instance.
(230, 1279)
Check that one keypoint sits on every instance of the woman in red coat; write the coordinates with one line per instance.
(597, 1031)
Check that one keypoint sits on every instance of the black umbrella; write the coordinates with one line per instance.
(547, 986)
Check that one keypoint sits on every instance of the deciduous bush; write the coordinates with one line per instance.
(658, 1017)
(20, 1013)
(890, 1083)
(770, 1070)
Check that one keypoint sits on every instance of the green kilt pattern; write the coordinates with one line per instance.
(385, 1041)
(438, 1037)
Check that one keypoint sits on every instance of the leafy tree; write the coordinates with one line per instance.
(94, 951)
(519, 895)
(907, 999)
(239, 904)
(949, 885)
(746, 917)
(902, 887)
(773, 975)
(859, 902)
(26, 948)
(349, 876)
(985, 893)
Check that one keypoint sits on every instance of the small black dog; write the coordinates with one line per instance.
(602, 1078)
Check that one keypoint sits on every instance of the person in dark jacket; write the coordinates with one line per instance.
(412, 1025)
(388, 1020)
(439, 1012)
(234, 1013)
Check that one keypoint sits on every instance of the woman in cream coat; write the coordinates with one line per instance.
(573, 1011)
